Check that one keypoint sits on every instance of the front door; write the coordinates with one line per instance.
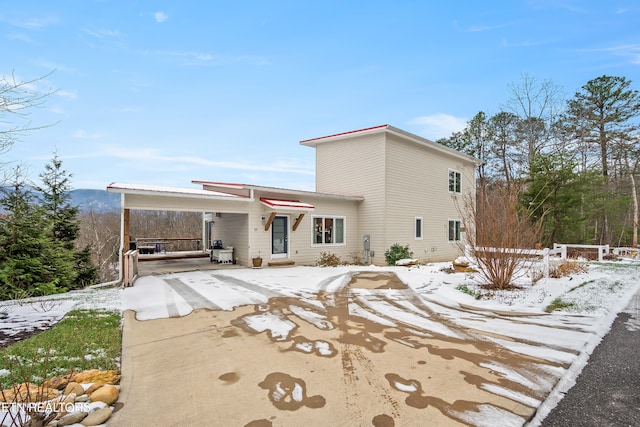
(279, 237)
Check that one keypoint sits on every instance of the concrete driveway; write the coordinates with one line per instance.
(353, 348)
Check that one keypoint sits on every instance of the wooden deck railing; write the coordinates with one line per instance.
(150, 245)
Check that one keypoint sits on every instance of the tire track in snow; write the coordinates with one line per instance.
(192, 297)
(268, 293)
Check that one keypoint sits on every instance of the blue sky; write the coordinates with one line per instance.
(162, 92)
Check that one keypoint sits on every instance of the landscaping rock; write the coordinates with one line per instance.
(69, 398)
(27, 392)
(72, 418)
(107, 394)
(74, 387)
(57, 382)
(97, 376)
(93, 388)
(97, 417)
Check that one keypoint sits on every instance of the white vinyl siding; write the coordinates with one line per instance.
(418, 234)
(401, 180)
(455, 182)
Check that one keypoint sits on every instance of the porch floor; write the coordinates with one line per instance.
(174, 262)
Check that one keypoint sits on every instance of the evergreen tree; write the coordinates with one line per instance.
(65, 227)
(603, 115)
(560, 196)
(26, 263)
(56, 200)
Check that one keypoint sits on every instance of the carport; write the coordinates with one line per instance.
(212, 205)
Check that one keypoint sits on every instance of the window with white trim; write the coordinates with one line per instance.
(418, 229)
(328, 230)
(455, 182)
(454, 230)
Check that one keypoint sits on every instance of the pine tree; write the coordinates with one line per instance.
(602, 117)
(65, 227)
(26, 266)
(560, 196)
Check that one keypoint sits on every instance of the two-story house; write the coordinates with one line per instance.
(374, 187)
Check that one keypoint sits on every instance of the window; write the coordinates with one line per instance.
(418, 228)
(454, 230)
(455, 181)
(328, 230)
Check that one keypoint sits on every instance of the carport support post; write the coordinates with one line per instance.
(125, 236)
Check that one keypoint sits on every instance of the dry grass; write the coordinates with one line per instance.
(567, 268)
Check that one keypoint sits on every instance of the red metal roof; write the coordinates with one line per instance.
(289, 204)
(219, 184)
(345, 133)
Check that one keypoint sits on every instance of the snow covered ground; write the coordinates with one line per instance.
(23, 316)
(434, 302)
(446, 306)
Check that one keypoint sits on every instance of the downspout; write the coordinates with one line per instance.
(250, 235)
(121, 257)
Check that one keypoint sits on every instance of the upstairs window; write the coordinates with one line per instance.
(455, 182)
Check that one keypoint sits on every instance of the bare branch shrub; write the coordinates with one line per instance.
(328, 259)
(498, 235)
(20, 398)
(356, 258)
(567, 268)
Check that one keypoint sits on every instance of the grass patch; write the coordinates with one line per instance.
(581, 285)
(465, 289)
(558, 304)
(83, 339)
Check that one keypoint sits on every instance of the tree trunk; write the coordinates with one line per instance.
(634, 196)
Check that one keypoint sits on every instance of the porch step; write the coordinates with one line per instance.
(281, 263)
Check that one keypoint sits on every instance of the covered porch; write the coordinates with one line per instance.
(181, 262)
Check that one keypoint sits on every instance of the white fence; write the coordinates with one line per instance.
(633, 253)
(603, 250)
(546, 253)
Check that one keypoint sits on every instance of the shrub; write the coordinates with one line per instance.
(498, 234)
(465, 289)
(397, 252)
(567, 268)
(356, 258)
(327, 259)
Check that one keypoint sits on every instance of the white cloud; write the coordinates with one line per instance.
(631, 51)
(160, 17)
(129, 109)
(152, 158)
(21, 37)
(104, 33)
(440, 125)
(82, 134)
(477, 28)
(67, 94)
(38, 23)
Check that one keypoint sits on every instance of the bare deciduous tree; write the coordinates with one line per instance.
(101, 231)
(17, 99)
(538, 106)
